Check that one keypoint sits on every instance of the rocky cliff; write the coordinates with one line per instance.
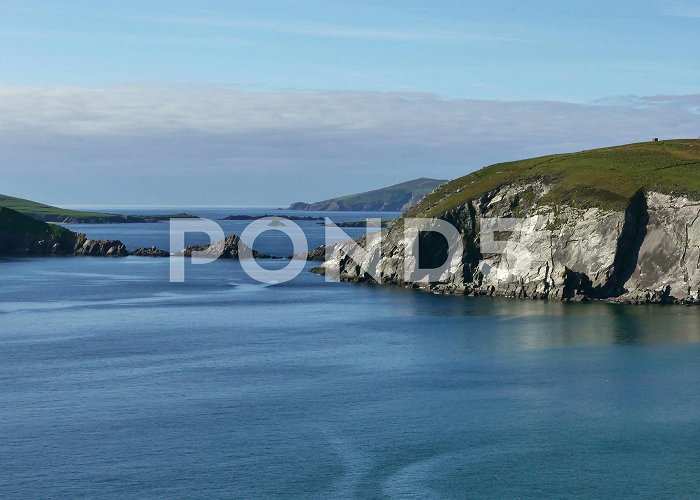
(608, 224)
(98, 248)
(23, 235)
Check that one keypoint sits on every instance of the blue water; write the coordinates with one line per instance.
(114, 382)
(272, 242)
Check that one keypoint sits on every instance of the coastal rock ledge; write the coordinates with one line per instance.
(151, 251)
(646, 253)
(23, 235)
(99, 248)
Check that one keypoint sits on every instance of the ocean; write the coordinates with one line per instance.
(115, 382)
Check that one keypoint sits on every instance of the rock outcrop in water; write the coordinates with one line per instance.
(149, 252)
(228, 248)
(99, 248)
(645, 250)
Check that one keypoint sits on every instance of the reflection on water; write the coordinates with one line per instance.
(115, 382)
(532, 324)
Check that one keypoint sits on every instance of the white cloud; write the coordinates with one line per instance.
(225, 142)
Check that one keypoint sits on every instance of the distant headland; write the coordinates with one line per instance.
(49, 213)
(396, 198)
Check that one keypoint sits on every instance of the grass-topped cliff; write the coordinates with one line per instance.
(21, 234)
(607, 178)
(13, 222)
(619, 223)
(24, 235)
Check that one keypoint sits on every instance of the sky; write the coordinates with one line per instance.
(267, 102)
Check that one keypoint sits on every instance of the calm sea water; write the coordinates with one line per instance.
(114, 382)
(273, 242)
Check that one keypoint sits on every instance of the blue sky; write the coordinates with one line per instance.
(84, 63)
(475, 49)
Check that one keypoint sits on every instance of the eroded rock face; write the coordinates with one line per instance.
(99, 248)
(149, 252)
(228, 248)
(318, 254)
(669, 256)
(648, 254)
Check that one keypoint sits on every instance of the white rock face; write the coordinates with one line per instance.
(650, 253)
(547, 249)
(670, 253)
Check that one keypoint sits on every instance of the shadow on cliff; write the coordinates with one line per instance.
(634, 231)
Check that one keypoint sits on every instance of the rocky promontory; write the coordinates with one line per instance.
(23, 235)
(99, 248)
(618, 224)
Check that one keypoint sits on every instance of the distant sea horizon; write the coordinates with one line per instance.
(99, 207)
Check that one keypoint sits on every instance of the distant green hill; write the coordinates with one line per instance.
(606, 178)
(48, 213)
(395, 198)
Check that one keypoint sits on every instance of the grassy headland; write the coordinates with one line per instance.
(49, 213)
(605, 178)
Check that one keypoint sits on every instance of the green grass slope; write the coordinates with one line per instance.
(391, 198)
(24, 235)
(48, 212)
(13, 222)
(605, 178)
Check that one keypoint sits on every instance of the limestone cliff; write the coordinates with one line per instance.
(636, 240)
